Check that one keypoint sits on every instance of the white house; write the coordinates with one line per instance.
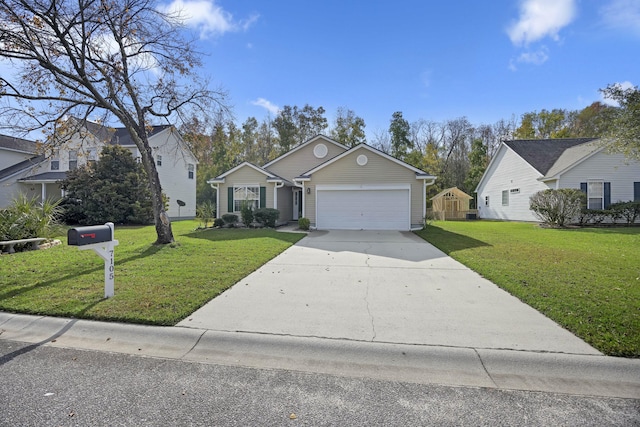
(39, 175)
(521, 168)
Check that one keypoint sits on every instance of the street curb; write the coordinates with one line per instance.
(578, 374)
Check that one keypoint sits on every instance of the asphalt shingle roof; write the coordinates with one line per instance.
(543, 153)
(20, 166)
(18, 144)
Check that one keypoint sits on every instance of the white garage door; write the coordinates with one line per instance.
(363, 210)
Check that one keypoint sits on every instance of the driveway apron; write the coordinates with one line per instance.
(380, 286)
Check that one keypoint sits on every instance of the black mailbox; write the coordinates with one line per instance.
(81, 236)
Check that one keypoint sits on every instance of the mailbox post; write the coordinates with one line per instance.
(99, 238)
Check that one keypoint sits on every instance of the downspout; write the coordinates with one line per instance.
(424, 193)
(295, 183)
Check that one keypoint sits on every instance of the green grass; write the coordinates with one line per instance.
(153, 284)
(587, 280)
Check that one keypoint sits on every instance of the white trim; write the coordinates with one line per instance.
(304, 144)
(370, 149)
(241, 165)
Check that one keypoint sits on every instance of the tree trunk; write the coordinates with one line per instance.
(161, 219)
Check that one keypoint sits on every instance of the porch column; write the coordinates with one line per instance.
(44, 191)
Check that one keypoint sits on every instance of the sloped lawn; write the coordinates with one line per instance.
(153, 284)
(587, 280)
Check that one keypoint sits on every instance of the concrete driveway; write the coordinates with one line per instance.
(380, 286)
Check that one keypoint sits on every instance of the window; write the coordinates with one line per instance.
(636, 191)
(159, 160)
(73, 160)
(249, 194)
(505, 198)
(55, 160)
(191, 168)
(595, 195)
(92, 156)
(486, 200)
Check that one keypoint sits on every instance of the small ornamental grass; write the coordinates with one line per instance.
(154, 284)
(587, 280)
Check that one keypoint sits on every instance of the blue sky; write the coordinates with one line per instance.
(432, 60)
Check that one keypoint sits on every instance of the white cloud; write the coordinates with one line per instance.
(540, 19)
(622, 14)
(623, 85)
(267, 105)
(537, 57)
(204, 15)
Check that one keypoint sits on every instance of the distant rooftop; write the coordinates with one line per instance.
(542, 154)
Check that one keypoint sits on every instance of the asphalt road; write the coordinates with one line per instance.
(49, 386)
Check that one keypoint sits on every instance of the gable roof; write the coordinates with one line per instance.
(304, 144)
(18, 167)
(572, 156)
(453, 190)
(420, 174)
(121, 136)
(542, 154)
(18, 144)
(270, 176)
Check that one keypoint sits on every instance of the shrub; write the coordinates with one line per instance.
(114, 189)
(218, 222)
(246, 210)
(267, 216)
(230, 218)
(629, 211)
(206, 211)
(304, 223)
(557, 207)
(27, 218)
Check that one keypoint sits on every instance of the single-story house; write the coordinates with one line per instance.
(37, 171)
(520, 168)
(335, 187)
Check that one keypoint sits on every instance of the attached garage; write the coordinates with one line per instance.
(371, 208)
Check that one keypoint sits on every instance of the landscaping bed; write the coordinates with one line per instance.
(587, 280)
(153, 284)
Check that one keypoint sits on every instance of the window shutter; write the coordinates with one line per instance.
(583, 187)
(230, 199)
(607, 195)
(636, 191)
(263, 197)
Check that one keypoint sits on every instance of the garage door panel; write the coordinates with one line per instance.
(363, 209)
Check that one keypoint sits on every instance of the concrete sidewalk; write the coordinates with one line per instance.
(380, 286)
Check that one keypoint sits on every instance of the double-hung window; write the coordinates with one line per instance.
(73, 160)
(246, 194)
(55, 160)
(595, 194)
(191, 170)
(505, 197)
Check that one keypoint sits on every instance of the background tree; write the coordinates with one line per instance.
(119, 58)
(348, 129)
(399, 130)
(478, 161)
(295, 125)
(114, 189)
(624, 134)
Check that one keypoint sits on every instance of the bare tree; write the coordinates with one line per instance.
(117, 58)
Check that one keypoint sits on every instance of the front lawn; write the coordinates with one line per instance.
(587, 280)
(153, 284)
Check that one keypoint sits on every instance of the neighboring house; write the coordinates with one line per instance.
(521, 168)
(18, 157)
(334, 186)
(40, 176)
